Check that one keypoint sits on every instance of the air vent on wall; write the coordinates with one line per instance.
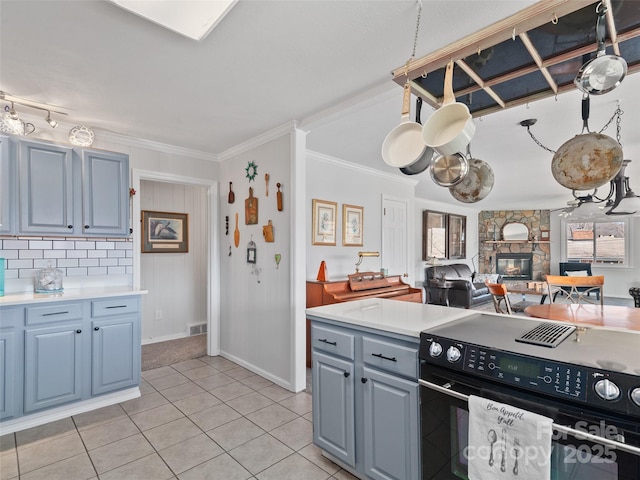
(547, 335)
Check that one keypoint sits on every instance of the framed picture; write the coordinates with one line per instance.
(545, 235)
(164, 232)
(324, 222)
(352, 225)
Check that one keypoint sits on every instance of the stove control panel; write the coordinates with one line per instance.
(611, 390)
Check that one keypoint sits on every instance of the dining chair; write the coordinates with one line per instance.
(577, 269)
(576, 289)
(500, 297)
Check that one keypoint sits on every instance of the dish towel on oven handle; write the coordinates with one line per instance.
(507, 442)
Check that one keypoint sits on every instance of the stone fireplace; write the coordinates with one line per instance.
(515, 266)
(492, 244)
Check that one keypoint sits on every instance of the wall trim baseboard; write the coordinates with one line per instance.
(259, 371)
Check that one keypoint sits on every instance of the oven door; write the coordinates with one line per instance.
(585, 445)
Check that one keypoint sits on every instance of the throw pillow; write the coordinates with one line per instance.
(577, 273)
(488, 277)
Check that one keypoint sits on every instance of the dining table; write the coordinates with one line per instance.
(600, 315)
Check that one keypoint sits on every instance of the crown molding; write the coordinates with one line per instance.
(317, 156)
(261, 139)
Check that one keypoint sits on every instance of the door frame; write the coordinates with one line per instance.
(409, 233)
(213, 255)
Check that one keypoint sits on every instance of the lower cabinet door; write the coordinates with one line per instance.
(53, 366)
(391, 428)
(115, 361)
(333, 407)
(7, 373)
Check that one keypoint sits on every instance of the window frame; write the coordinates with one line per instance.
(628, 240)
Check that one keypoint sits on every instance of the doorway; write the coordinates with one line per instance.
(395, 245)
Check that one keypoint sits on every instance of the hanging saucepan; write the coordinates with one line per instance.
(449, 170)
(450, 129)
(422, 163)
(476, 185)
(605, 72)
(403, 145)
(588, 160)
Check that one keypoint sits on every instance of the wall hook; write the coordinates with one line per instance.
(554, 20)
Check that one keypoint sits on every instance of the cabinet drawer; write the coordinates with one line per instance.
(333, 341)
(390, 357)
(114, 306)
(54, 313)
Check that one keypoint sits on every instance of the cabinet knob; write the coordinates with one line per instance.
(364, 380)
(346, 374)
(78, 331)
(96, 328)
(86, 227)
(69, 227)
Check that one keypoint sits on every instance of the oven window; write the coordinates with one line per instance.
(573, 461)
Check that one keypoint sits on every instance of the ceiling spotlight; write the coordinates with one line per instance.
(12, 113)
(50, 120)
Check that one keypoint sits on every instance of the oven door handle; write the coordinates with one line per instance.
(581, 435)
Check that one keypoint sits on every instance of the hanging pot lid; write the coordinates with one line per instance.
(476, 185)
(449, 170)
(605, 72)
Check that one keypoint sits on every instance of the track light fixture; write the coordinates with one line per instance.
(50, 120)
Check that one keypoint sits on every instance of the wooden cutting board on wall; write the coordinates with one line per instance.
(251, 209)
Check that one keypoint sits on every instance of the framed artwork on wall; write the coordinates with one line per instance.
(434, 234)
(545, 235)
(352, 225)
(323, 231)
(165, 232)
(457, 247)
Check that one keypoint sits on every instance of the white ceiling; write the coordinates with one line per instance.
(324, 64)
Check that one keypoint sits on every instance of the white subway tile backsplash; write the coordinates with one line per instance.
(64, 244)
(77, 272)
(40, 244)
(88, 262)
(15, 244)
(31, 254)
(18, 264)
(108, 262)
(25, 256)
(97, 270)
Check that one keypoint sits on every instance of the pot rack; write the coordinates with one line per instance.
(531, 55)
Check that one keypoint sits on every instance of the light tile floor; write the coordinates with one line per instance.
(206, 418)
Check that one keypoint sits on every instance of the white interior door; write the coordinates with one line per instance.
(395, 237)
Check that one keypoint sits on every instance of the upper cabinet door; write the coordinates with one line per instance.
(6, 187)
(46, 189)
(105, 190)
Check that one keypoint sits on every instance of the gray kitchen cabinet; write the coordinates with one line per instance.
(10, 348)
(72, 192)
(46, 183)
(115, 351)
(391, 445)
(53, 365)
(105, 193)
(6, 187)
(334, 407)
(365, 391)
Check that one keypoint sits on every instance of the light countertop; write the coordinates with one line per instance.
(69, 294)
(404, 318)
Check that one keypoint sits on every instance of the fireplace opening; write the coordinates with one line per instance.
(515, 266)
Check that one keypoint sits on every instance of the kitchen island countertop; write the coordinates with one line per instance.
(23, 298)
(403, 318)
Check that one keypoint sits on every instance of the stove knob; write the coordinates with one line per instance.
(607, 390)
(635, 396)
(435, 349)
(453, 354)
